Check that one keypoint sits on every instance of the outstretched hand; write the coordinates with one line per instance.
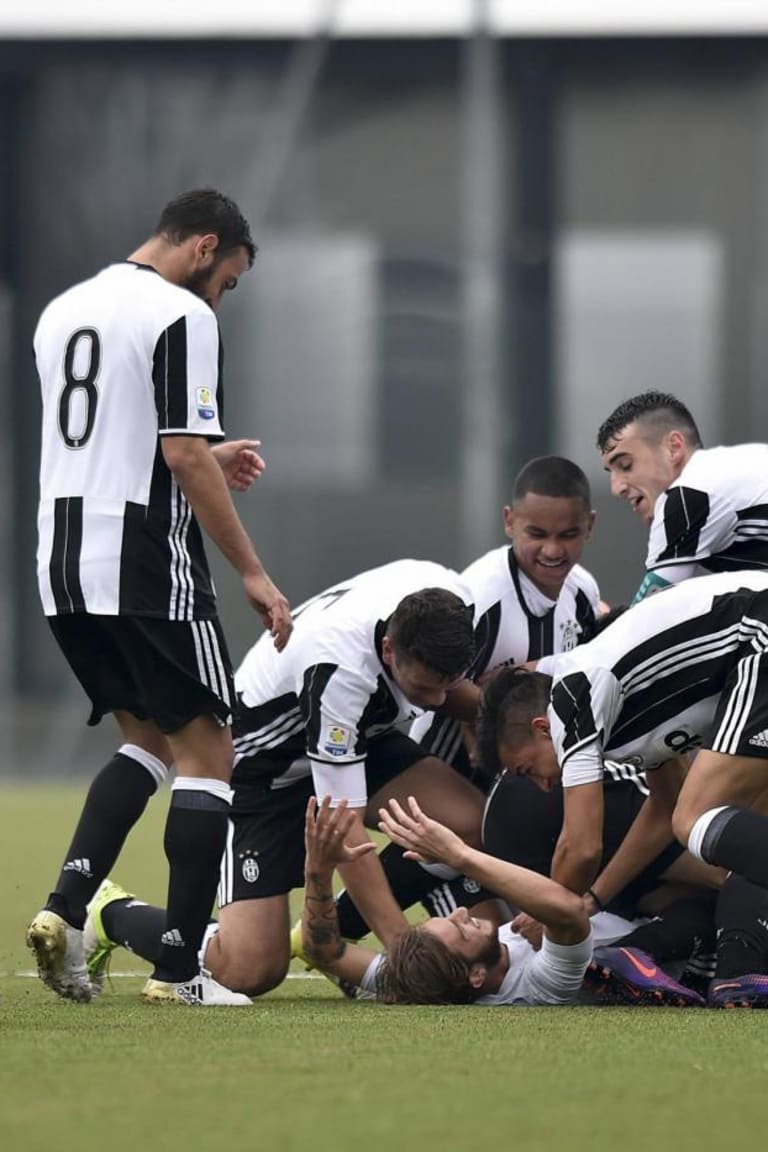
(423, 839)
(240, 462)
(325, 829)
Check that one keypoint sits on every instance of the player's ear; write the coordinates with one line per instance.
(386, 648)
(206, 246)
(676, 446)
(509, 520)
(540, 725)
(591, 523)
(477, 975)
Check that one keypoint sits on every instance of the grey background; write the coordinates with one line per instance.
(470, 252)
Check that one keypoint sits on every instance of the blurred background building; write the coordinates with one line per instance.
(481, 226)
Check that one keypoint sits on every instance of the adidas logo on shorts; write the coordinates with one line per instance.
(760, 740)
(173, 938)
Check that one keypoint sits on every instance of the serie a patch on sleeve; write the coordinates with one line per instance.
(205, 407)
(335, 740)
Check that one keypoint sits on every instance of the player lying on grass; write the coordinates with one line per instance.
(678, 672)
(460, 959)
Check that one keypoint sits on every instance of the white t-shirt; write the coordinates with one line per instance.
(553, 975)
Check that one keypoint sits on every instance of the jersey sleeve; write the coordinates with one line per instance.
(689, 525)
(185, 376)
(333, 701)
(582, 709)
(555, 973)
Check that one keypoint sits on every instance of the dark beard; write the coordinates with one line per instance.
(491, 953)
(198, 284)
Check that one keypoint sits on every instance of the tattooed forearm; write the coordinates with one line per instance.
(321, 938)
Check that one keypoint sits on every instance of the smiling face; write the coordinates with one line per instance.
(476, 941)
(642, 466)
(548, 534)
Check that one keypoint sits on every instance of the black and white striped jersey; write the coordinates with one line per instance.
(675, 672)
(315, 705)
(714, 518)
(124, 359)
(514, 622)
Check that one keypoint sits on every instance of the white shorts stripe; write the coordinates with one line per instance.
(226, 883)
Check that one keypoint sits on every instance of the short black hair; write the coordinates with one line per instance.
(660, 410)
(204, 210)
(552, 476)
(434, 626)
(510, 700)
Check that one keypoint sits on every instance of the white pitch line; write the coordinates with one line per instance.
(134, 975)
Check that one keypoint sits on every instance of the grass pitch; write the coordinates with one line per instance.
(307, 1069)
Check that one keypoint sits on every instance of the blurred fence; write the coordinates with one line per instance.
(470, 251)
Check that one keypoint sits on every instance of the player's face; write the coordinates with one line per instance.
(211, 282)
(535, 759)
(421, 685)
(477, 941)
(641, 468)
(548, 534)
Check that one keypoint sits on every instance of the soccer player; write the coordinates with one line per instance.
(323, 715)
(129, 365)
(707, 508)
(532, 598)
(460, 959)
(679, 672)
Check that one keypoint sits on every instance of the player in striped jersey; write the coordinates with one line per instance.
(129, 364)
(532, 598)
(707, 508)
(326, 715)
(680, 672)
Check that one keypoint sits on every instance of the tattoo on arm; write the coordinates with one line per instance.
(323, 942)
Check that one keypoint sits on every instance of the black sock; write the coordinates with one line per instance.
(115, 801)
(407, 879)
(136, 926)
(685, 927)
(195, 835)
(742, 921)
(737, 839)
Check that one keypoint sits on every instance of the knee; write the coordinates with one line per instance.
(683, 820)
(252, 975)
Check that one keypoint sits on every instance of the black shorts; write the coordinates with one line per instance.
(169, 671)
(265, 846)
(522, 824)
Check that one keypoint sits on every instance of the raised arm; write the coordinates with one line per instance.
(560, 911)
(326, 846)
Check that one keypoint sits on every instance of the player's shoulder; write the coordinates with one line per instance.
(712, 469)
(400, 578)
(580, 579)
(488, 577)
(126, 285)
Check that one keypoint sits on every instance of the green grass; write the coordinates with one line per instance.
(307, 1069)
